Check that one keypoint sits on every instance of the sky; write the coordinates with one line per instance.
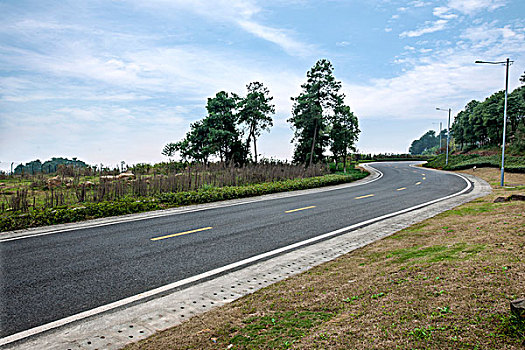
(115, 80)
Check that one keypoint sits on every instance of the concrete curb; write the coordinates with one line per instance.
(115, 329)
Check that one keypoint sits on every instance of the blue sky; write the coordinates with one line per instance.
(107, 81)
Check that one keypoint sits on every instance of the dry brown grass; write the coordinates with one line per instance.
(445, 283)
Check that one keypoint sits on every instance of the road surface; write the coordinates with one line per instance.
(49, 277)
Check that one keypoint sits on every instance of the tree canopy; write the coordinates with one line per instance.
(428, 143)
(480, 124)
(320, 118)
(255, 112)
(220, 133)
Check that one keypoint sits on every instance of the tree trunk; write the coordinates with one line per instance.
(344, 162)
(255, 148)
(313, 144)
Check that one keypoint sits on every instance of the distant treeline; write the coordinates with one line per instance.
(50, 166)
(480, 124)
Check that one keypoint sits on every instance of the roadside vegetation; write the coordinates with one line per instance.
(444, 283)
(478, 159)
(480, 126)
(37, 200)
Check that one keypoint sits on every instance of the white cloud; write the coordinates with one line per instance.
(443, 12)
(277, 36)
(419, 3)
(430, 27)
(240, 13)
(445, 76)
(470, 7)
(342, 43)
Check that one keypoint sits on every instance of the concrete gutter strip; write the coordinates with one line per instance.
(113, 330)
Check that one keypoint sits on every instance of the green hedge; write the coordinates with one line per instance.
(231, 192)
(514, 164)
(15, 221)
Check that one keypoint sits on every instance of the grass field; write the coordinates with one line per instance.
(445, 283)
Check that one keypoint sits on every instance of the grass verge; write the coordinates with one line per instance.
(444, 283)
(60, 215)
(515, 164)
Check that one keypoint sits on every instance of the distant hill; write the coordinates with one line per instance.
(50, 166)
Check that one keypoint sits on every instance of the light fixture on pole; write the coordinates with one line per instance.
(507, 63)
(448, 129)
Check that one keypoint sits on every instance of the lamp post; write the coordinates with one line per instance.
(507, 63)
(448, 129)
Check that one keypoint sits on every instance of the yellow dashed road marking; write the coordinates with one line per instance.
(368, 195)
(294, 210)
(181, 233)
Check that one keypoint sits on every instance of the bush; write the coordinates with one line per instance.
(514, 164)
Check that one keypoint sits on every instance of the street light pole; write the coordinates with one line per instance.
(448, 129)
(507, 63)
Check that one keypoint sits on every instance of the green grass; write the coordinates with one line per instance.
(471, 210)
(458, 251)
(278, 331)
(466, 161)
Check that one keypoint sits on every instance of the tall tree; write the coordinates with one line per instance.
(255, 112)
(311, 112)
(344, 132)
(221, 122)
(216, 135)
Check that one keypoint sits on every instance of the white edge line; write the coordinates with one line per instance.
(154, 216)
(150, 293)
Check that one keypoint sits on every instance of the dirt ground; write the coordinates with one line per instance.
(444, 283)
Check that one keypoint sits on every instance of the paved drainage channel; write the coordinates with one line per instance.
(114, 330)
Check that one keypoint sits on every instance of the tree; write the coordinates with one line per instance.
(516, 109)
(217, 134)
(311, 112)
(522, 78)
(194, 146)
(223, 135)
(255, 111)
(426, 142)
(344, 132)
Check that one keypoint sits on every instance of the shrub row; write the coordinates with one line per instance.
(206, 195)
(514, 164)
(17, 220)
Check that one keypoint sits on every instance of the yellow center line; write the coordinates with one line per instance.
(291, 211)
(368, 195)
(424, 178)
(418, 183)
(401, 189)
(181, 233)
(423, 174)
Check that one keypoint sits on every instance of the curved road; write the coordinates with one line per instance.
(46, 278)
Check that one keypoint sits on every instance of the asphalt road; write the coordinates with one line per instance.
(46, 278)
